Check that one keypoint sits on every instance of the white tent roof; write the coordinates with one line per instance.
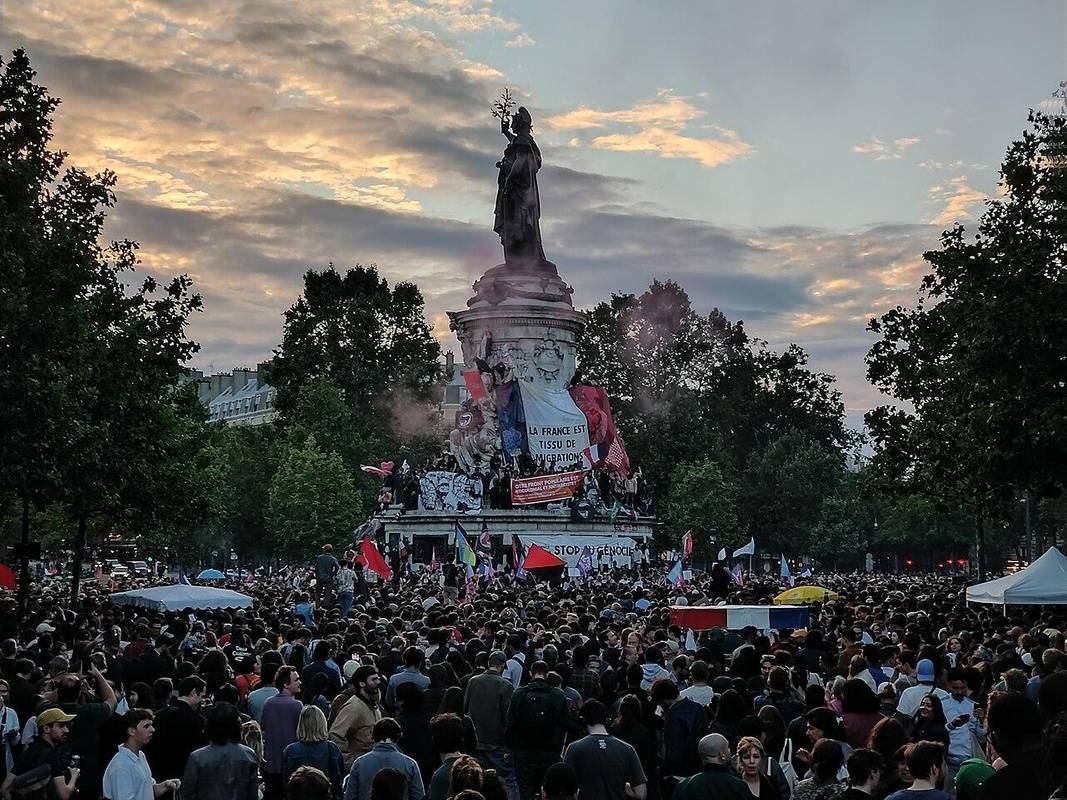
(179, 596)
(1043, 582)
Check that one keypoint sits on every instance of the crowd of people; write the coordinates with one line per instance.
(527, 691)
(599, 492)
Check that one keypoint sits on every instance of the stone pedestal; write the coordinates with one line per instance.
(524, 318)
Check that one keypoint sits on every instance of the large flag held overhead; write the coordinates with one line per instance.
(373, 558)
(464, 552)
(617, 457)
(748, 550)
(786, 575)
(542, 564)
(556, 430)
(676, 577)
(687, 544)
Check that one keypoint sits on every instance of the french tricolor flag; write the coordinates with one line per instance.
(595, 454)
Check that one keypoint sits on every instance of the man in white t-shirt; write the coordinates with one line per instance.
(911, 698)
(699, 692)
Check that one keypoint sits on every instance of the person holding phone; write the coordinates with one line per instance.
(964, 723)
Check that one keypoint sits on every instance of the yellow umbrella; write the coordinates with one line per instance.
(805, 594)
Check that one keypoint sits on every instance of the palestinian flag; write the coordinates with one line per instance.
(543, 565)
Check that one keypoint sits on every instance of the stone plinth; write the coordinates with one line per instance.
(523, 318)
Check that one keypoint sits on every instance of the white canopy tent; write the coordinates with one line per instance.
(1043, 582)
(180, 596)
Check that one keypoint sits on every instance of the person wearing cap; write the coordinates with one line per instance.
(128, 776)
(911, 698)
(486, 701)
(88, 720)
(52, 731)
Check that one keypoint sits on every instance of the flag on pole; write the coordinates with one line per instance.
(687, 544)
(464, 553)
(485, 545)
(786, 575)
(616, 507)
(722, 554)
(585, 562)
(595, 454)
(433, 560)
(738, 574)
(383, 471)
(806, 572)
(676, 577)
(617, 457)
(182, 578)
(748, 550)
(472, 583)
(373, 558)
(518, 557)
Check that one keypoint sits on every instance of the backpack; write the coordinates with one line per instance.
(536, 719)
(31, 785)
(683, 726)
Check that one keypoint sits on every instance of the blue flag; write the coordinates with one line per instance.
(676, 577)
(182, 579)
(786, 575)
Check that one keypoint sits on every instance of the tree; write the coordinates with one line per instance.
(703, 500)
(979, 365)
(369, 339)
(783, 488)
(87, 363)
(312, 502)
(686, 386)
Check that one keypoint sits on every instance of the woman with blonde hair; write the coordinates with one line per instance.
(313, 749)
(750, 756)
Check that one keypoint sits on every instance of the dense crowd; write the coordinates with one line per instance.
(331, 686)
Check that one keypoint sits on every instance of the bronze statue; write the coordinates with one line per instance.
(518, 205)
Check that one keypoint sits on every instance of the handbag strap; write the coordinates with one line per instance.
(787, 752)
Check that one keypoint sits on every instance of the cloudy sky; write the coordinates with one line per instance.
(785, 161)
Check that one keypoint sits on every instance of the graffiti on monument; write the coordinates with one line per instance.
(449, 491)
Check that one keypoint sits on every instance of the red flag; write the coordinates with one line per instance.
(433, 560)
(374, 559)
(687, 544)
(617, 457)
(472, 379)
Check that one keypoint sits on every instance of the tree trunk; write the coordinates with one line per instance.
(76, 561)
(24, 559)
(979, 545)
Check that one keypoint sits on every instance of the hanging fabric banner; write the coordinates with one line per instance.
(545, 488)
(556, 430)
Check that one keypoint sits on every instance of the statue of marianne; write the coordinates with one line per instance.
(518, 205)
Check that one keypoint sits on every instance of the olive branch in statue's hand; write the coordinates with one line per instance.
(501, 109)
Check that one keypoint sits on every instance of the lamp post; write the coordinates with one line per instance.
(1029, 541)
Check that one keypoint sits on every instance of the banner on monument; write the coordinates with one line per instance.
(450, 491)
(556, 430)
(545, 488)
(605, 549)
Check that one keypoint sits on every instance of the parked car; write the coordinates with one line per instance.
(140, 569)
(115, 568)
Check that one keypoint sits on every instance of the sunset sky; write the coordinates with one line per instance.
(787, 162)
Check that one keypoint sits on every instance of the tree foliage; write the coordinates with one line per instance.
(365, 337)
(703, 499)
(312, 502)
(979, 366)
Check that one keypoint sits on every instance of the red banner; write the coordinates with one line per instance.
(545, 488)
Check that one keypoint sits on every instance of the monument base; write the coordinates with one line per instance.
(427, 533)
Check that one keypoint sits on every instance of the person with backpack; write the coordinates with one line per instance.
(537, 724)
(684, 724)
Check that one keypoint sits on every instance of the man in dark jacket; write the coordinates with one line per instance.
(716, 780)
(537, 724)
(179, 731)
(1015, 731)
